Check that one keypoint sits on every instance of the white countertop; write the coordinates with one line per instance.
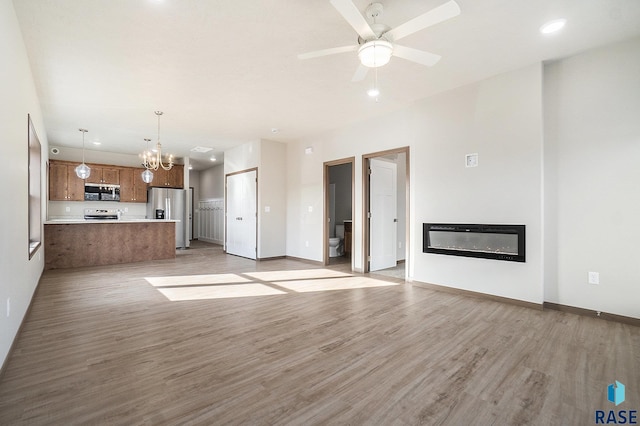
(72, 221)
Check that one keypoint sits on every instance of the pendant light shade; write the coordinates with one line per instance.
(83, 171)
(147, 176)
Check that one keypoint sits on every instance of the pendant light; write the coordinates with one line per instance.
(83, 171)
(147, 175)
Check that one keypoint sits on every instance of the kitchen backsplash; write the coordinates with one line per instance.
(58, 209)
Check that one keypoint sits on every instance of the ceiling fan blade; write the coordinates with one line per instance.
(352, 15)
(326, 52)
(441, 13)
(360, 73)
(415, 55)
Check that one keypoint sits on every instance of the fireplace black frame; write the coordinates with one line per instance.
(518, 230)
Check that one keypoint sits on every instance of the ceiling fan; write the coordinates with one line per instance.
(377, 41)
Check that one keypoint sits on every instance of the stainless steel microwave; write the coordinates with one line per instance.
(101, 192)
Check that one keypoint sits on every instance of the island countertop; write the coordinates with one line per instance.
(75, 243)
(74, 221)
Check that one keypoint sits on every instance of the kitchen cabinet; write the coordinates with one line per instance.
(173, 178)
(64, 184)
(104, 174)
(132, 187)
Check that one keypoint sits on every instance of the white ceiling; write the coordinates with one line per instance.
(226, 71)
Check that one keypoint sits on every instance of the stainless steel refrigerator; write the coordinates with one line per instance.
(170, 204)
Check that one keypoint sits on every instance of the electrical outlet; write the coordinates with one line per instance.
(267, 209)
(67, 209)
(310, 209)
(306, 243)
(594, 278)
(126, 209)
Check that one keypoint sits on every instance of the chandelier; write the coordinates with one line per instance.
(152, 160)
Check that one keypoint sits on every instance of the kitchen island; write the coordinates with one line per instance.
(71, 243)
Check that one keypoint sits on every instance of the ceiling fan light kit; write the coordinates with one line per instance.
(375, 53)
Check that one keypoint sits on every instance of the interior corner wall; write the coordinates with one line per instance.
(19, 276)
(272, 197)
(500, 119)
(592, 202)
(211, 182)
(269, 157)
(304, 204)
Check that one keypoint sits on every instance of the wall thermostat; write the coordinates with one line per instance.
(471, 160)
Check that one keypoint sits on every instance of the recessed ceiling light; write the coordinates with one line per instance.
(190, 167)
(213, 158)
(275, 130)
(553, 26)
(97, 143)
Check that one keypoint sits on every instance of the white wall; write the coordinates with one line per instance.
(18, 275)
(592, 152)
(501, 119)
(212, 183)
(272, 194)
(270, 159)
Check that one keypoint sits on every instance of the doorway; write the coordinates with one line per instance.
(241, 218)
(386, 212)
(339, 191)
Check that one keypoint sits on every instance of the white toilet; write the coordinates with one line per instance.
(336, 244)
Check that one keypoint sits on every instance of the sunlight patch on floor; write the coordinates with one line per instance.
(350, 283)
(188, 280)
(222, 286)
(298, 274)
(218, 292)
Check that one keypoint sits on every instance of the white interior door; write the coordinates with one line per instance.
(383, 222)
(242, 214)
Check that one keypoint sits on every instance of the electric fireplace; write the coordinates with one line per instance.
(499, 242)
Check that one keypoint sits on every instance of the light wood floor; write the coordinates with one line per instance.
(214, 339)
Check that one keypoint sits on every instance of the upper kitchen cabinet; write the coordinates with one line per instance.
(132, 187)
(173, 178)
(104, 174)
(64, 184)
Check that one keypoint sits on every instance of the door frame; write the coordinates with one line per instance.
(325, 190)
(366, 196)
(226, 176)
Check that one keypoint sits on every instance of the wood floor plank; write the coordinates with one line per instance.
(299, 344)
